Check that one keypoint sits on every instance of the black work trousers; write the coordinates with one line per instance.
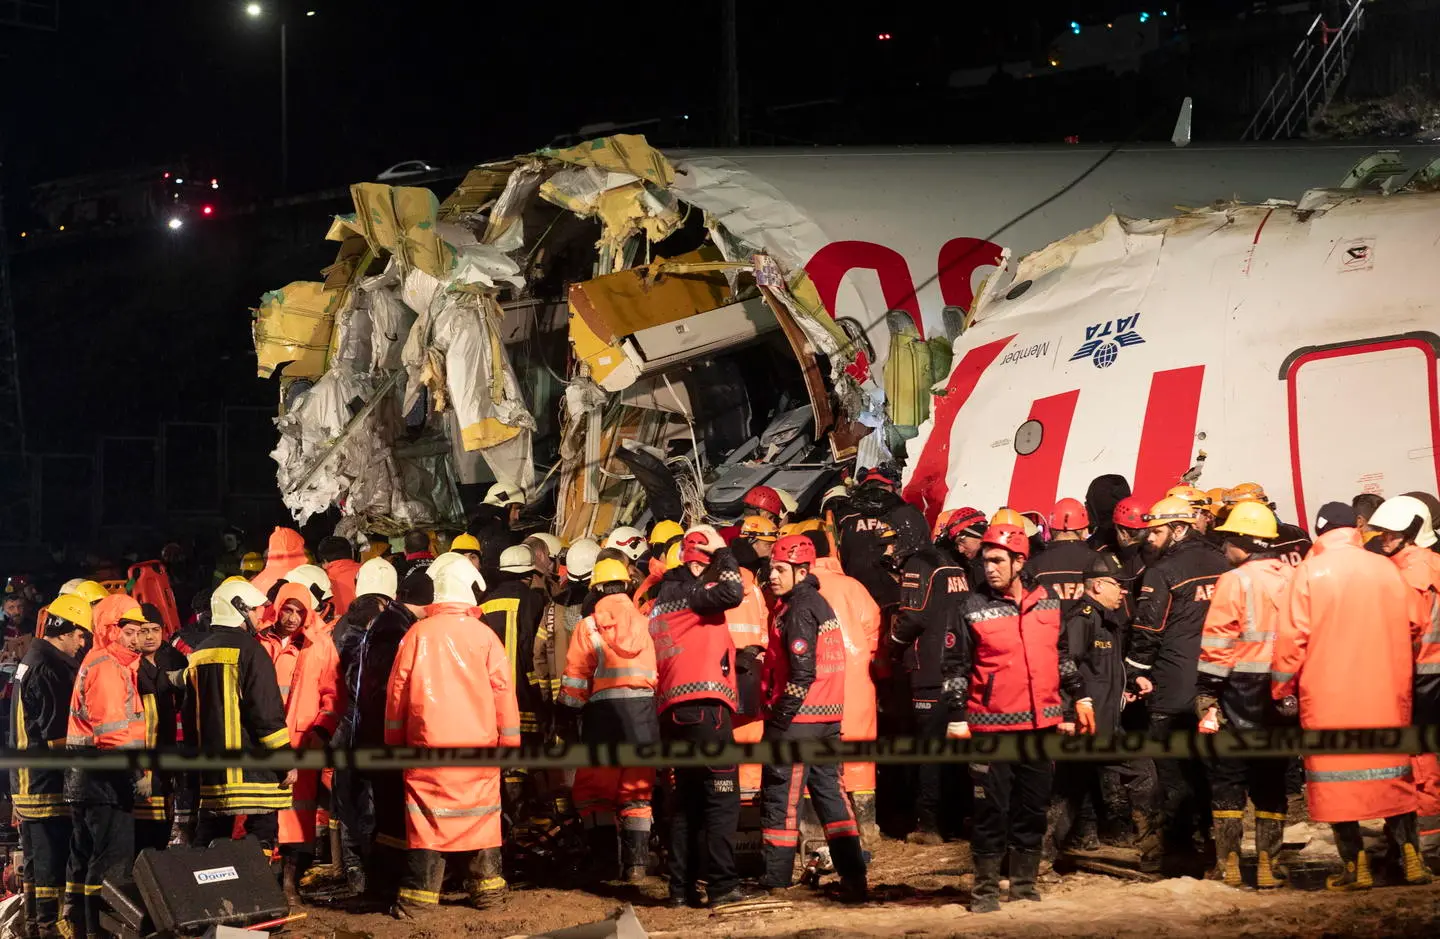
(931, 717)
(423, 875)
(354, 801)
(1184, 790)
(1262, 780)
(264, 826)
(102, 845)
(45, 844)
(782, 787)
(1011, 806)
(706, 812)
(1128, 787)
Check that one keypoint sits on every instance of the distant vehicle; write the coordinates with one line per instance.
(408, 168)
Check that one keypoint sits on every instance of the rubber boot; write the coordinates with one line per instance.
(1269, 837)
(864, 806)
(1024, 868)
(604, 853)
(1148, 841)
(32, 927)
(288, 880)
(486, 883)
(1229, 829)
(1404, 833)
(634, 855)
(1356, 875)
(985, 895)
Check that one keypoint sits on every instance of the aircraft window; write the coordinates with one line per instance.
(1018, 290)
(1028, 436)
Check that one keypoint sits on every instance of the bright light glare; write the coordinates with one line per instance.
(176, 224)
(309, 12)
(179, 181)
(1074, 27)
(208, 210)
(253, 9)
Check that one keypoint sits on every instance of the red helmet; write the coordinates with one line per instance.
(1069, 515)
(1130, 513)
(794, 549)
(765, 499)
(1010, 537)
(954, 521)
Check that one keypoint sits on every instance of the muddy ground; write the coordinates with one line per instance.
(922, 891)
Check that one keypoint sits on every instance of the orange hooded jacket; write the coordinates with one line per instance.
(860, 625)
(611, 654)
(450, 687)
(308, 671)
(1421, 569)
(285, 553)
(342, 574)
(106, 711)
(1343, 646)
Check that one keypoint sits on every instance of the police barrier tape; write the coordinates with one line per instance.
(981, 748)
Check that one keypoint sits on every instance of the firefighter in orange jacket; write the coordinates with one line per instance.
(451, 687)
(1404, 533)
(1343, 647)
(805, 698)
(1234, 682)
(610, 682)
(859, 618)
(307, 668)
(697, 699)
(105, 714)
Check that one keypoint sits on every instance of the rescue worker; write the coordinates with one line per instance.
(1364, 506)
(337, 557)
(557, 625)
(1096, 631)
(804, 700)
(1349, 615)
(1131, 531)
(1234, 684)
(1199, 501)
(161, 700)
(1293, 543)
(307, 669)
(451, 687)
(105, 714)
(696, 697)
(860, 627)
(765, 502)
(750, 630)
(228, 563)
(285, 553)
(418, 554)
(876, 508)
(468, 547)
(251, 564)
(233, 702)
(630, 542)
(610, 683)
(39, 717)
(1062, 565)
(494, 523)
(1402, 531)
(1007, 662)
(930, 589)
(513, 608)
(1164, 651)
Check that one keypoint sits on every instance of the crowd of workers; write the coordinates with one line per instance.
(1197, 611)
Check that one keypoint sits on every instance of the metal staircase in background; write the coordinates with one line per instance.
(1310, 80)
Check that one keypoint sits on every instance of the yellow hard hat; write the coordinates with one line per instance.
(1216, 498)
(1253, 519)
(664, 530)
(800, 528)
(672, 556)
(1170, 509)
(1009, 516)
(465, 542)
(252, 563)
(759, 528)
(235, 579)
(1246, 492)
(1190, 494)
(134, 615)
(90, 591)
(610, 571)
(71, 608)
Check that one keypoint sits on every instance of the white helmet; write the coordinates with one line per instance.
(517, 560)
(1399, 513)
(787, 500)
(228, 599)
(552, 544)
(834, 492)
(70, 585)
(580, 559)
(503, 494)
(628, 541)
(376, 576)
(313, 577)
(456, 579)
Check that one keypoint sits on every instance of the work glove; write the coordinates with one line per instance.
(1204, 702)
(1085, 717)
(144, 786)
(957, 730)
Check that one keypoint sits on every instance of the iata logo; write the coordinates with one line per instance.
(1103, 340)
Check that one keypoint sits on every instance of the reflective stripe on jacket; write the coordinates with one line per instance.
(1239, 639)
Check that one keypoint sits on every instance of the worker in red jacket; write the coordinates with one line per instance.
(696, 695)
(1006, 662)
(804, 699)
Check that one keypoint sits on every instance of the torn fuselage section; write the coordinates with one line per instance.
(570, 323)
